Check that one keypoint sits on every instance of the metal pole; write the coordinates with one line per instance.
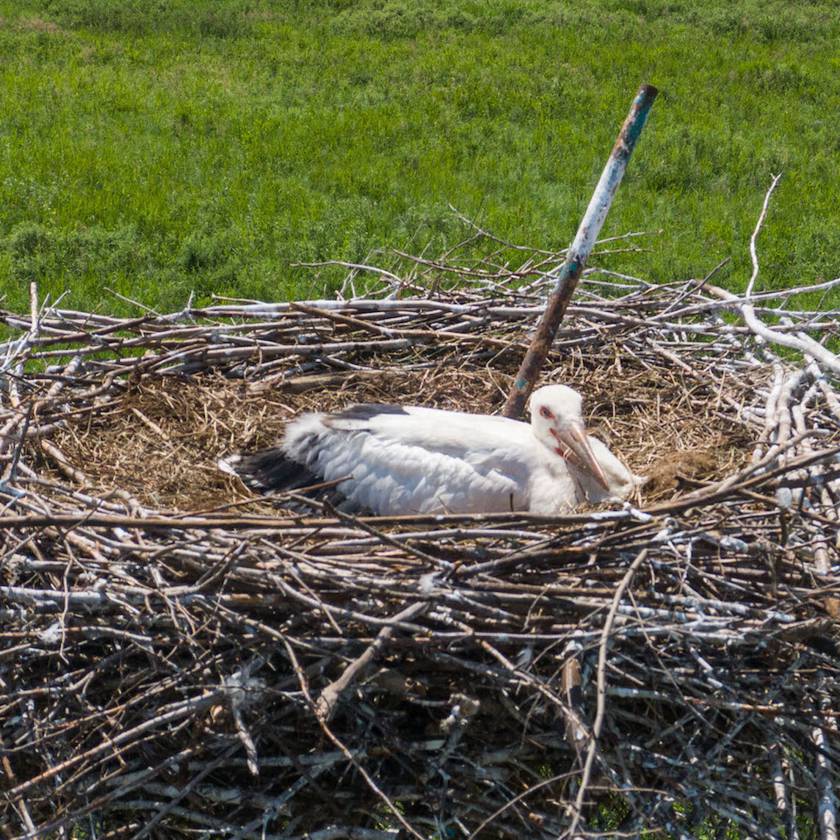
(570, 271)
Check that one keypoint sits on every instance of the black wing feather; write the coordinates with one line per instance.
(367, 411)
(271, 470)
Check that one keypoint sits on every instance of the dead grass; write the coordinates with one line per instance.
(37, 24)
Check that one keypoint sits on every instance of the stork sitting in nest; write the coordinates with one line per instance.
(393, 460)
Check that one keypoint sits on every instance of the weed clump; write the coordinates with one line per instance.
(36, 251)
(218, 20)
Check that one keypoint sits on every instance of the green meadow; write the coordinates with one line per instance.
(159, 148)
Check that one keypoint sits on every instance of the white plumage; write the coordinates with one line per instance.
(400, 460)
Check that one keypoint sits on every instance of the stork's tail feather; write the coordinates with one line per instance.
(269, 470)
(273, 471)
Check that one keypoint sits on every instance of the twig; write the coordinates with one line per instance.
(601, 696)
(326, 703)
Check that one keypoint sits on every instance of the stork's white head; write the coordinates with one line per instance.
(557, 421)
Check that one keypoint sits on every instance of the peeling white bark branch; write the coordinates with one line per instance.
(801, 341)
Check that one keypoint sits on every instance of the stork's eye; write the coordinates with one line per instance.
(546, 412)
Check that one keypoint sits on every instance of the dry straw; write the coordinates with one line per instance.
(180, 659)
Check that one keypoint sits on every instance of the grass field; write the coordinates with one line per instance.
(162, 147)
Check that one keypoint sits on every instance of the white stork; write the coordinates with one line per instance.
(391, 459)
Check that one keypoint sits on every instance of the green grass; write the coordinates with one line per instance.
(168, 146)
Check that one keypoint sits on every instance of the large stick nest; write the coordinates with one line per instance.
(181, 658)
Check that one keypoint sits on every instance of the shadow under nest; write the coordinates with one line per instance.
(180, 656)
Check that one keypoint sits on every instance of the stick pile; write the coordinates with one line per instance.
(213, 665)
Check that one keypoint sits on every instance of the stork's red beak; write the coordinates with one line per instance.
(572, 436)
